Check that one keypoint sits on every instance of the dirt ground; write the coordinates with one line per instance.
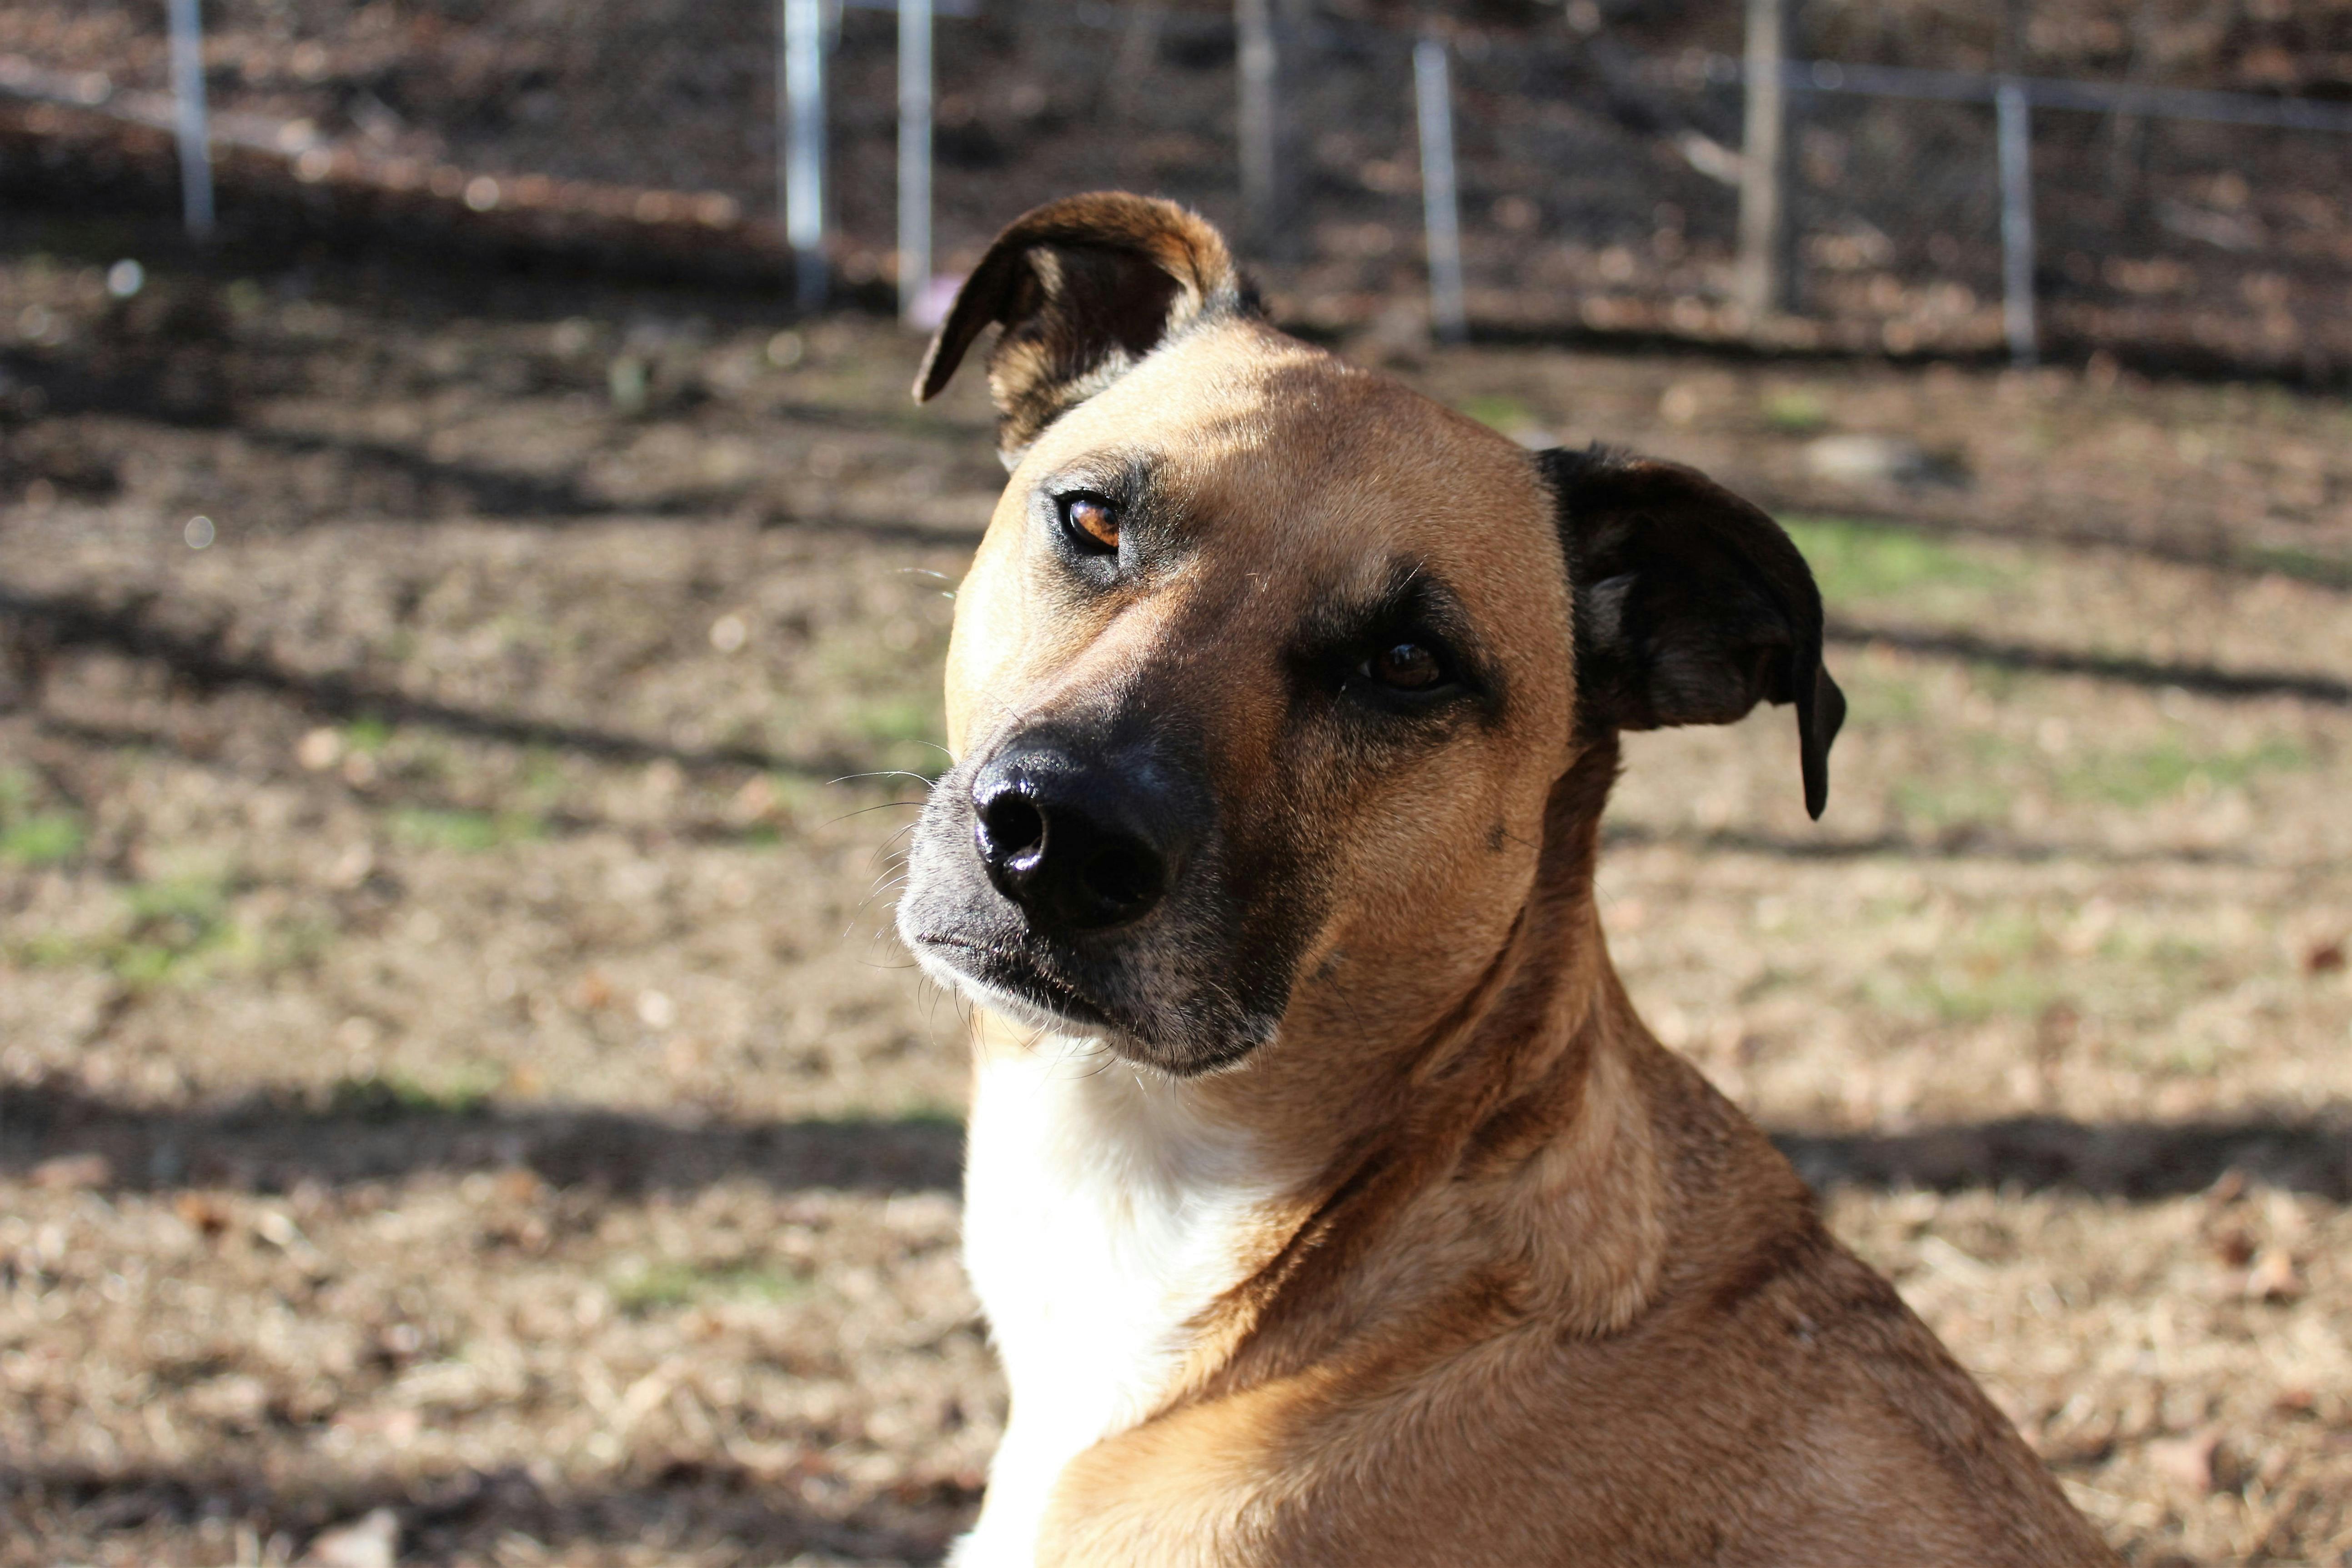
(452, 1060)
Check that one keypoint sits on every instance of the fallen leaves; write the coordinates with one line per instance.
(371, 1542)
(73, 1173)
(2186, 1463)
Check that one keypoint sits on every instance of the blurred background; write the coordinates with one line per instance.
(472, 590)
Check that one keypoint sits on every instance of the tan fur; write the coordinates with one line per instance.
(1534, 1292)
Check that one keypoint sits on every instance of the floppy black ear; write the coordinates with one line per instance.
(1084, 288)
(1691, 606)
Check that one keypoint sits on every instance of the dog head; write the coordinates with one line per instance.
(1267, 666)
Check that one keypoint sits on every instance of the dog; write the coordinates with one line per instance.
(1327, 1202)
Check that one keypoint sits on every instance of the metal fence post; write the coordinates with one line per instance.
(800, 105)
(1433, 97)
(1139, 47)
(188, 105)
(1763, 273)
(914, 155)
(2013, 120)
(1257, 63)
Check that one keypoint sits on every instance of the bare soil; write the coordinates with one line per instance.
(452, 1060)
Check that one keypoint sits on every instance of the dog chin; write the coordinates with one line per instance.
(951, 964)
(1025, 1011)
(939, 960)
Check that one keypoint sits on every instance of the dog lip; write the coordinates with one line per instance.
(1019, 973)
(1006, 977)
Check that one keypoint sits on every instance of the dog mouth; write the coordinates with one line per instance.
(1015, 983)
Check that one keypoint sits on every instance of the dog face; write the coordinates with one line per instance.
(1267, 666)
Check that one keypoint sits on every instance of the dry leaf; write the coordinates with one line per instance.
(2186, 1462)
(70, 1172)
(372, 1541)
(2273, 1277)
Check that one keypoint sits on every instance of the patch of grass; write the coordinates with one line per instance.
(297, 942)
(2002, 935)
(852, 659)
(177, 931)
(1999, 965)
(2330, 571)
(1969, 989)
(367, 733)
(542, 774)
(2000, 682)
(1856, 561)
(2199, 1059)
(390, 1097)
(801, 798)
(1959, 795)
(1873, 698)
(1951, 802)
(666, 1285)
(2159, 773)
(174, 927)
(48, 950)
(2155, 951)
(1794, 411)
(419, 759)
(1767, 982)
(31, 834)
(467, 832)
(1506, 413)
(2012, 991)
(896, 720)
(40, 838)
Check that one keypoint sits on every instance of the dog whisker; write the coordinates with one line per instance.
(863, 810)
(924, 780)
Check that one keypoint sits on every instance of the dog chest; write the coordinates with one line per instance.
(1102, 1216)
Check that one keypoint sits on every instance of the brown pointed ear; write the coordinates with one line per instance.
(1084, 288)
(1691, 606)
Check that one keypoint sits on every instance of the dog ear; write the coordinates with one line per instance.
(1084, 286)
(1691, 606)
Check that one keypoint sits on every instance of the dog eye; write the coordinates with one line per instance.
(1090, 521)
(1405, 667)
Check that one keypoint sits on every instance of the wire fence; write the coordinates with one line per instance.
(1595, 185)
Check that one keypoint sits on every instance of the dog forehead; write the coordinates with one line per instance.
(1273, 452)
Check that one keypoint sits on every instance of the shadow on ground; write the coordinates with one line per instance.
(201, 661)
(685, 1507)
(2205, 679)
(272, 1143)
(2132, 1159)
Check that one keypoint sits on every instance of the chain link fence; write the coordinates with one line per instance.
(1598, 169)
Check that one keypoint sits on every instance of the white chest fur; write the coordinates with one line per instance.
(1103, 1215)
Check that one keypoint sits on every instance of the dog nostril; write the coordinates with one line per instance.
(1122, 875)
(1010, 825)
(1069, 847)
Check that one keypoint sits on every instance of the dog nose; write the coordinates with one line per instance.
(1081, 847)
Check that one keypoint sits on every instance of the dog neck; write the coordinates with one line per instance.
(1510, 1142)
(1248, 1223)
